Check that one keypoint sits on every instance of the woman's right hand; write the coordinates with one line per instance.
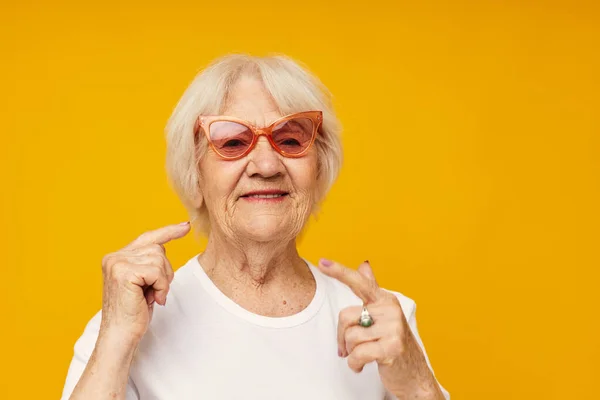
(136, 277)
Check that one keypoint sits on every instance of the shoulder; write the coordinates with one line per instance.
(185, 278)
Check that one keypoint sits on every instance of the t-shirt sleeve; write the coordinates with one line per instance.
(409, 307)
(82, 352)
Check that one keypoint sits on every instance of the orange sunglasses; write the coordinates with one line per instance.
(232, 138)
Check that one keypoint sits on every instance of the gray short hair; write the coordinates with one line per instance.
(293, 88)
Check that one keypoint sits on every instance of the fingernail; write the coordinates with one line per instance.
(184, 223)
(367, 261)
(339, 353)
(325, 262)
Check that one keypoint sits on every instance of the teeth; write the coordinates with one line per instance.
(265, 196)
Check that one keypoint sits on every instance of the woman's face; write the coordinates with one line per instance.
(236, 193)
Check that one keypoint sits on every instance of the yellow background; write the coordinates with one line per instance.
(471, 180)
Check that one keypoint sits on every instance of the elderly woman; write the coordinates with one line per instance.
(252, 148)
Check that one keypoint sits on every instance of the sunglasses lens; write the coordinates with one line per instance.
(230, 139)
(294, 135)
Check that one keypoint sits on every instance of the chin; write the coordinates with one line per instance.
(266, 228)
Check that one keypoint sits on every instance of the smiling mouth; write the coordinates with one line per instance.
(265, 195)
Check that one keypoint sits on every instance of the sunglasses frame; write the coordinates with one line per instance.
(204, 121)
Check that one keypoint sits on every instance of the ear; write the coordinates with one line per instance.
(197, 200)
(197, 197)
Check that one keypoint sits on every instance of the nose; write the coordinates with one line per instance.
(263, 160)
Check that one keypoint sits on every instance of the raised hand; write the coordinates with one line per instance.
(389, 341)
(136, 277)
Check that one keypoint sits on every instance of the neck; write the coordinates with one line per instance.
(251, 263)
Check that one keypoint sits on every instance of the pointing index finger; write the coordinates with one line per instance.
(366, 270)
(161, 235)
(360, 283)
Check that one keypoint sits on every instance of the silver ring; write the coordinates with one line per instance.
(365, 318)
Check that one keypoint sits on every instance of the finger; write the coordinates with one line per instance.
(158, 259)
(168, 269)
(363, 287)
(364, 354)
(350, 316)
(365, 270)
(151, 259)
(356, 335)
(161, 235)
(161, 287)
(149, 295)
(153, 250)
(154, 276)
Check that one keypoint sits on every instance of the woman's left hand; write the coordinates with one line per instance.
(389, 341)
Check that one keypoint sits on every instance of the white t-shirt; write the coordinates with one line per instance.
(202, 345)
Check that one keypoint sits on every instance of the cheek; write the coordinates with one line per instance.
(303, 172)
(218, 179)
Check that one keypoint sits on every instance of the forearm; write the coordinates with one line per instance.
(433, 392)
(419, 383)
(430, 391)
(107, 371)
